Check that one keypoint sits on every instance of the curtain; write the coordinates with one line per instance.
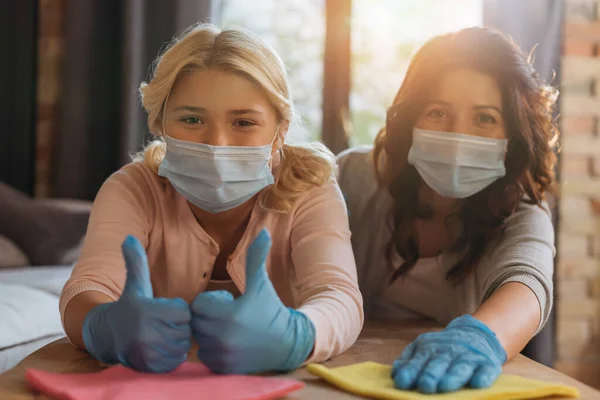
(336, 75)
(531, 23)
(109, 47)
(18, 46)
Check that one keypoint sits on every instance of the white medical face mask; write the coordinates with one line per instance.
(216, 178)
(457, 165)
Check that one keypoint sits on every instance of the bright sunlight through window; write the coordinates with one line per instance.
(384, 33)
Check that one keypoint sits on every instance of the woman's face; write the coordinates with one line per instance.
(219, 109)
(465, 101)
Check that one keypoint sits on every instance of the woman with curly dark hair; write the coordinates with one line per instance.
(448, 211)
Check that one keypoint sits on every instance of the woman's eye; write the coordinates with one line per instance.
(244, 123)
(191, 120)
(436, 113)
(486, 119)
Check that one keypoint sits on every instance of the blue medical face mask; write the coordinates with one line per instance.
(216, 178)
(457, 165)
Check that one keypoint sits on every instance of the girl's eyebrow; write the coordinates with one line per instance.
(190, 108)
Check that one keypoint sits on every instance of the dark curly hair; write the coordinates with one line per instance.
(530, 126)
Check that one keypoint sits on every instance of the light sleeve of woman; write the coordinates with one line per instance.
(517, 272)
(325, 284)
(121, 208)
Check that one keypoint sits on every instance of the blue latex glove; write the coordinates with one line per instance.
(255, 332)
(139, 331)
(467, 352)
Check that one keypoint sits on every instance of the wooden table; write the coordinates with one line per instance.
(381, 342)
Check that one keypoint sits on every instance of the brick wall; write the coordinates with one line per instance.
(578, 272)
(50, 57)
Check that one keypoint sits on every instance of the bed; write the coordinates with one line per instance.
(29, 310)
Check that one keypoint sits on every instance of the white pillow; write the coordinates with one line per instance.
(27, 314)
(11, 255)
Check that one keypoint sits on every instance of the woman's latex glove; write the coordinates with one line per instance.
(139, 331)
(255, 332)
(466, 352)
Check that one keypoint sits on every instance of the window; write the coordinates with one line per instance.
(381, 51)
(296, 30)
(384, 35)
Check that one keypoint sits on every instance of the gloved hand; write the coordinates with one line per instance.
(255, 332)
(466, 352)
(139, 331)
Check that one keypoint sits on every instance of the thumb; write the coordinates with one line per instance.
(138, 274)
(256, 269)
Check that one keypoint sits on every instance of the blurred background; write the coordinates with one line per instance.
(71, 116)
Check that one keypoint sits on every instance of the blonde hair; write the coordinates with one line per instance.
(203, 46)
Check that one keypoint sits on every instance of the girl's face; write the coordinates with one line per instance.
(465, 101)
(220, 109)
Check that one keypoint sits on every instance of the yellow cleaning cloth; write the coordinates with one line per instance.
(370, 379)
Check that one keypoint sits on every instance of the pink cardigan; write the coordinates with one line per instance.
(311, 263)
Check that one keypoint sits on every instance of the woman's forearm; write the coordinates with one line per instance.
(513, 313)
(76, 311)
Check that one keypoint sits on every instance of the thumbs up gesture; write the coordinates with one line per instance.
(139, 331)
(255, 332)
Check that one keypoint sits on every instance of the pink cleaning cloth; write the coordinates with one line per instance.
(189, 381)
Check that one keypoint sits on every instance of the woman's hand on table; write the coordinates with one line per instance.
(139, 331)
(465, 353)
(255, 332)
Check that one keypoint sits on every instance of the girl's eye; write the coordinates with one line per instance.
(437, 113)
(486, 119)
(191, 120)
(244, 123)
